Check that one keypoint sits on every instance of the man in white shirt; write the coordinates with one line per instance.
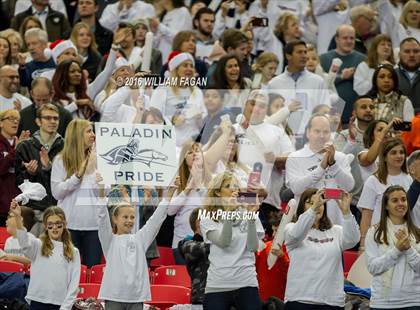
(319, 165)
(125, 11)
(9, 86)
(204, 24)
(260, 142)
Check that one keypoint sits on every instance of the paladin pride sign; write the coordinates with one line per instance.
(136, 154)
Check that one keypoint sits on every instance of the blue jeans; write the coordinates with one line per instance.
(245, 298)
(87, 241)
(40, 306)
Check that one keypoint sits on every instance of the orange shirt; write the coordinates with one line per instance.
(412, 138)
(271, 282)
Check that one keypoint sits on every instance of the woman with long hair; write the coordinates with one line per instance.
(5, 52)
(70, 89)
(387, 97)
(392, 170)
(264, 69)
(228, 77)
(231, 277)
(84, 39)
(315, 278)
(182, 102)
(73, 184)
(193, 179)
(379, 52)
(393, 254)
(185, 42)
(16, 44)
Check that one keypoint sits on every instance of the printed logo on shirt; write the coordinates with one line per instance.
(316, 240)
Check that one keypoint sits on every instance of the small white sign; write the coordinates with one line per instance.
(136, 154)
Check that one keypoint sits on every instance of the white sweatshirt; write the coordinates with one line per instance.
(126, 277)
(405, 284)
(54, 280)
(77, 197)
(303, 171)
(316, 270)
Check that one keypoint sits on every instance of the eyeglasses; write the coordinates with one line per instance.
(51, 225)
(50, 118)
(11, 119)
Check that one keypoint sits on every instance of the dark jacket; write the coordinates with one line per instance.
(8, 186)
(28, 116)
(91, 65)
(58, 27)
(411, 90)
(32, 70)
(196, 255)
(28, 150)
(103, 38)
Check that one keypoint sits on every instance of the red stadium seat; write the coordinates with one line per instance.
(349, 258)
(166, 258)
(172, 275)
(170, 294)
(1, 246)
(83, 274)
(87, 290)
(3, 235)
(6, 266)
(96, 273)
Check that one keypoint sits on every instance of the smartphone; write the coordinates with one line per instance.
(403, 126)
(255, 175)
(260, 22)
(247, 197)
(333, 193)
(231, 12)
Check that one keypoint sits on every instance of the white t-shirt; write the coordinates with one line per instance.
(232, 267)
(367, 171)
(184, 103)
(371, 197)
(12, 246)
(7, 103)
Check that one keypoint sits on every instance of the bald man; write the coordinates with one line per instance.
(345, 40)
(9, 86)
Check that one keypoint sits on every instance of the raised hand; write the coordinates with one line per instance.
(318, 200)
(83, 166)
(344, 202)
(17, 104)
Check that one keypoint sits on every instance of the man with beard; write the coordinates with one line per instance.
(408, 71)
(319, 165)
(204, 24)
(87, 10)
(363, 109)
(9, 86)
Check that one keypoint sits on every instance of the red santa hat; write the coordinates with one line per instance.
(176, 58)
(57, 48)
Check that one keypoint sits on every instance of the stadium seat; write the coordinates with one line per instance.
(96, 274)
(3, 235)
(349, 259)
(87, 290)
(83, 274)
(172, 275)
(166, 258)
(1, 246)
(6, 266)
(170, 294)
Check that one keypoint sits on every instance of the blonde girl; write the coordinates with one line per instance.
(125, 284)
(73, 184)
(264, 70)
(55, 269)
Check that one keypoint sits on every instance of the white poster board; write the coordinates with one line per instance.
(136, 154)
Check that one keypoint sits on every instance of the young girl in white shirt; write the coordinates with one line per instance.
(125, 284)
(315, 278)
(392, 170)
(55, 269)
(393, 255)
